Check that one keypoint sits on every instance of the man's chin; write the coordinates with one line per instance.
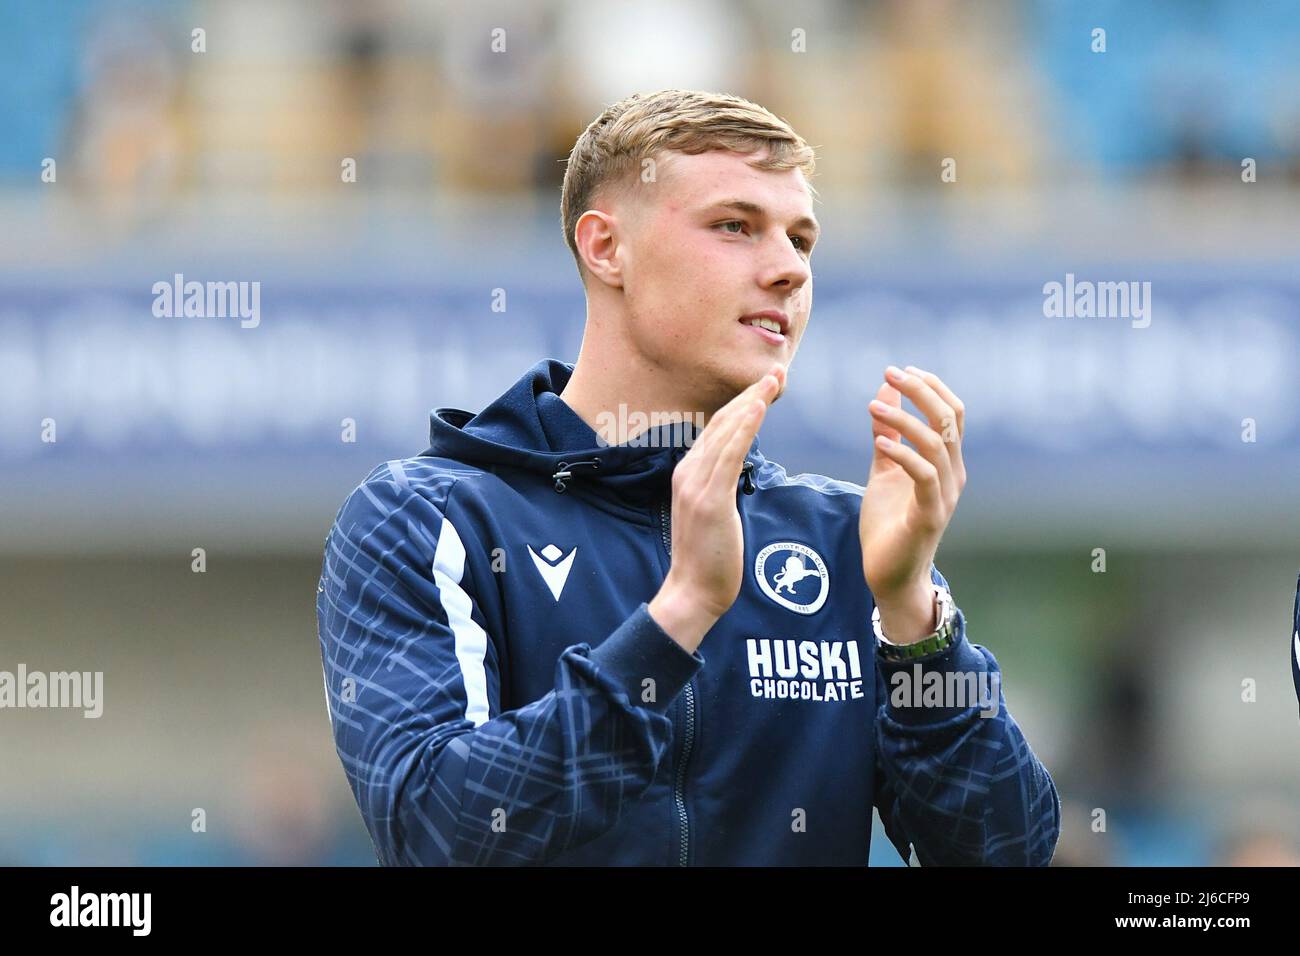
(757, 370)
(736, 380)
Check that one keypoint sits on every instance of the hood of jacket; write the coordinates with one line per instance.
(532, 428)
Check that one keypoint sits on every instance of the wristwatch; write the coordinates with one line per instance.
(940, 639)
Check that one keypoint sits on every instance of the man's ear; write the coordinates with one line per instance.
(597, 238)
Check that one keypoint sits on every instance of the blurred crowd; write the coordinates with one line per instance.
(488, 97)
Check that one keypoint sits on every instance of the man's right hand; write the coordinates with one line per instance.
(708, 552)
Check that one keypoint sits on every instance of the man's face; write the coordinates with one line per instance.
(711, 241)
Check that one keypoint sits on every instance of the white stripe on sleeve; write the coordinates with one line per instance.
(471, 640)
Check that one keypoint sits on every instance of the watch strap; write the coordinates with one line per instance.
(940, 639)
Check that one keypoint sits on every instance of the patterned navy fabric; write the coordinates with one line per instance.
(1295, 641)
(500, 695)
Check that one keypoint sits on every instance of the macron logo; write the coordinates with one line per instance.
(553, 570)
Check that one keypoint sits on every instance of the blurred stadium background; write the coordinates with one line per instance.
(224, 165)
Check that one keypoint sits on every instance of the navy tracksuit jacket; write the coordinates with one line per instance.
(499, 694)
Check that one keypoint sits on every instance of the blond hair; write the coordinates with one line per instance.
(610, 151)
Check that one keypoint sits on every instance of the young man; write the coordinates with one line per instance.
(555, 637)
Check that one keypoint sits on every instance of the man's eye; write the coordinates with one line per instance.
(803, 243)
(731, 222)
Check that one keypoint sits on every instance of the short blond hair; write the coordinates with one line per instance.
(610, 151)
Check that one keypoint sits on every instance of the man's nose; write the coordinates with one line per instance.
(787, 267)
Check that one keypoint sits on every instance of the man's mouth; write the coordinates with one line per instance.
(770, 324)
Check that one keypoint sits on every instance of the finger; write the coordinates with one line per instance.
(894, 399)
(734, 422)
(926, 440)
(915, 384)
(727, 419)
(923, 474)
(944, 392)
(720, 425)
(766, 388)
(925, 398)
(959, 410)
(727, 469)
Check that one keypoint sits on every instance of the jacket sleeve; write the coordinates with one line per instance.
(441, 774)
(959, 783)
(1295, 642)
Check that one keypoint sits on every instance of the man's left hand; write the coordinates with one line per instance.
(911, 494)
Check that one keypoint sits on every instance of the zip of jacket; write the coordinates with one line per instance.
(688, 696)
(688, 692)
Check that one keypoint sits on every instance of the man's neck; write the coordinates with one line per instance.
(618, 403)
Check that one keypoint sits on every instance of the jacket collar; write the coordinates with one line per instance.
(531, 427)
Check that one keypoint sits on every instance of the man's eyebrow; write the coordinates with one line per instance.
(754, 209)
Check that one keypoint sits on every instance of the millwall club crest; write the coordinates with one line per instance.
(794, 576)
